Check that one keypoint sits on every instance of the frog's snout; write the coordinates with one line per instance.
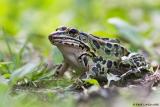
(50, 37)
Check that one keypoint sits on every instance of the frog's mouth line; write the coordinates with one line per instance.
(67, 41)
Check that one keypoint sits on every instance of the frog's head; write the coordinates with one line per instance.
(72, 37)
(71, 43)
(69, 36)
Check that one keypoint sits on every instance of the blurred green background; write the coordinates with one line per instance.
(26, 24)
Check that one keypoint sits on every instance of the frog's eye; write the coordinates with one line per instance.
(63, 28)
(73, 31)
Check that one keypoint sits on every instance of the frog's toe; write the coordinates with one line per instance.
(125, 74)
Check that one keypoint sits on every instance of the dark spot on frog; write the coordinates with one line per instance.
(116, 72)
(126, 52)
(108, 71)
(138, 63)
(93, 49)
(109, 64)
(115, 41)
(100, 58)
(102, 72)
(104, 61)
(95, 70)
(95, 59)
(92, 54)
(143, 63)
(103, 69)
(98, 65)
(108, 52)
(125, 65)
(82, 47)
(115, 64)
(102, 79)
(96, 44)
(122, 49)
(116, 54)
(85, 61)
(109, 45)
(116, 46)
(105, 38)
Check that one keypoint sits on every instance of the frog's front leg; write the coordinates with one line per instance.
(62, 68)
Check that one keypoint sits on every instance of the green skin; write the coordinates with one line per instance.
(98, 58)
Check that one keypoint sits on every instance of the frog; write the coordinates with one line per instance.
(103, 59)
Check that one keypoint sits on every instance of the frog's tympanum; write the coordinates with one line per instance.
(97, 58)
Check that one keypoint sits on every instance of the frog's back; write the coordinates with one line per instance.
(108, 49)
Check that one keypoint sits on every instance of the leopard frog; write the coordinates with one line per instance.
(102, 59)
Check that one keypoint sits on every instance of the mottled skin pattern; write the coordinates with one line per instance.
(94, 57)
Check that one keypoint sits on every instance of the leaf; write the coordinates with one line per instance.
(5, 63)
(7, 75)
(92, 81)
(127, 31)
(23, 71)
(3, 80)
(130, 33)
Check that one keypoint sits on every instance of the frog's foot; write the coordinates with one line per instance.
(61, 69)
(137, 71)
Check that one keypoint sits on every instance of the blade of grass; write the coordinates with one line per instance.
(23, 71)
(5, 37)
